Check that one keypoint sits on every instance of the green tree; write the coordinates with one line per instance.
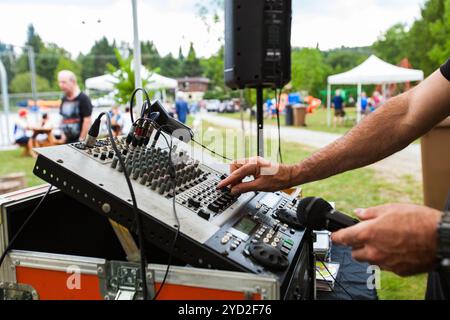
(125, 75)
(308, 70)
(421, 39)
(95, 62)
(213, 70)
(180, 54)
(150, 55)
(191, 66)
(47, 61)
(344, 59)
(22, 83)
(34, 40)
(170, 67)
(65, 63)
(440, 31)
(392, 45)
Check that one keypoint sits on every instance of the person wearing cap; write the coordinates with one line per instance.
(22, 132)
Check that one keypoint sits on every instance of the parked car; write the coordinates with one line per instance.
(212, 105)
(227, 107)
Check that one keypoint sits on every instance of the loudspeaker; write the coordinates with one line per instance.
(257, 43)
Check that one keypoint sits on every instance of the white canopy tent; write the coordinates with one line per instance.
(372, 71)
(155, 82)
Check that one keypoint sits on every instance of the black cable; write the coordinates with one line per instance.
(132, 100)
(329, 285)
(172, 250)
(277, 101)
(22, 227)
(137, 215)
(337, 282)
(212, 151)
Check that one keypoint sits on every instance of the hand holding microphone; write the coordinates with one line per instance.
(317, 214)
(397, 237)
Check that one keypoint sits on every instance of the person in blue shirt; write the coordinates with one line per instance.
(338, 105)
(364, 104)
(181, 108)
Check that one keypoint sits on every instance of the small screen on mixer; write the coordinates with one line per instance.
(245, 225)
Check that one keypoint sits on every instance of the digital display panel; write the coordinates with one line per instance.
(245, 225)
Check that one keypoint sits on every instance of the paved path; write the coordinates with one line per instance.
(405, 162)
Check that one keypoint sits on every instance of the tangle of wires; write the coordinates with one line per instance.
(147, 116)
(139, 135)
(137, 215)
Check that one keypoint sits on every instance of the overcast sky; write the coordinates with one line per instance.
(75, 25)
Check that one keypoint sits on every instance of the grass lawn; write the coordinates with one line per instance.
(316, 121)
(354, 189)
(13, 162)
(359, 188)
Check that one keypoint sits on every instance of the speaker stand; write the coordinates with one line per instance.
(260, 121)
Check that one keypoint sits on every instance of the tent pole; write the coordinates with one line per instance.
(358, 105)
(137, 59)
(4, 135)
(329, 104)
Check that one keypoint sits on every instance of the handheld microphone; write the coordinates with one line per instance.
(317, 214)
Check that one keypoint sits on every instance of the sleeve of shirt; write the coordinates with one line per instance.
(85, 106)
(445, 70)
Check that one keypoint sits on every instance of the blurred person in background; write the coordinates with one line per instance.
(22, 132)
(364, 104)
(116, 121)
(42, 135)
(181, 108)
(76, 109)
(126, 121)
(338, 105)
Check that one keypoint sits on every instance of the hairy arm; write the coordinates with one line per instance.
(391, 128)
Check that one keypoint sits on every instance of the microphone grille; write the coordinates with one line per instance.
(311, 213)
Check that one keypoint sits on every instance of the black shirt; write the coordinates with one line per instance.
(73, 112)
(445, 69)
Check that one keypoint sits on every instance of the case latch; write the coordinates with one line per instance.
(122, 281)
(14, 291)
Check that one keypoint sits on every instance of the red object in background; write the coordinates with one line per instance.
(405, 64)
(392, 88)
(313, 103)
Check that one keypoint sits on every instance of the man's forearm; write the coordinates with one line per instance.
(391, 128)
(85, 127)
(378, 136)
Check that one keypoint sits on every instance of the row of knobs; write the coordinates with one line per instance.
(152, 167)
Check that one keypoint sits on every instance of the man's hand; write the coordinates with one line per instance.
(268, 176)
(397, 237)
